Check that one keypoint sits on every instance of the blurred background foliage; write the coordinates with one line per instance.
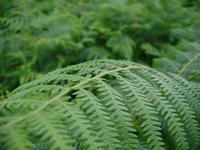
(37, 36)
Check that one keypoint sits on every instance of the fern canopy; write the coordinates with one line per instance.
(184, 60)
(102, 105)
(37, 36)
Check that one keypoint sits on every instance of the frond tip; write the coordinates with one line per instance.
(102, 104)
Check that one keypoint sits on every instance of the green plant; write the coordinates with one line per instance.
(37, 36)
(183, 60)
(102, 105)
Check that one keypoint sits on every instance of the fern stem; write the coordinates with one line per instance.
(67, 90)
(188, 64)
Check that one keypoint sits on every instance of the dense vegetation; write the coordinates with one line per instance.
(100, 104)
(39, 36)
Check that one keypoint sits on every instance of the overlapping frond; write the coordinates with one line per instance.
(184, 60)
(102, 105)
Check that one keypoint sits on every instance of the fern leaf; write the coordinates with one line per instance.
(119, 114)
(15, 139)
(165, 109)
(102, 104)
(151, 125)
(187, 89)
(80, 126)
(99, 117)
(168, 88)
(51, 131)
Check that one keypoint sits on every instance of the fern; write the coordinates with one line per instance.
(39, 36)
(102, 104)
(122, 45)
(184, 60)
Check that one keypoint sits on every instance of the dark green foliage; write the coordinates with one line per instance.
(184, 60)
(38, 36)
(102, 105)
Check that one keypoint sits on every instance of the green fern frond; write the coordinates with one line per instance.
(80, 126)
(102, 104)
(15, 138)
(184, 60)
(119, 114)
(172, 93)
(165, 109)
(122, 45)
(190, 93)
(140, 106)
(51, 130)
(96, 112)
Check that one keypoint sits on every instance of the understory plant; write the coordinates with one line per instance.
(102, 105)
(39, 36)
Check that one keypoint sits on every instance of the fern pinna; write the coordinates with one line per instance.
(102, 105)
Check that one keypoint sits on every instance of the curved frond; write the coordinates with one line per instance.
(102, 104)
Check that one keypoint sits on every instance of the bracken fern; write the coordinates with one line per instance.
(102, 105)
